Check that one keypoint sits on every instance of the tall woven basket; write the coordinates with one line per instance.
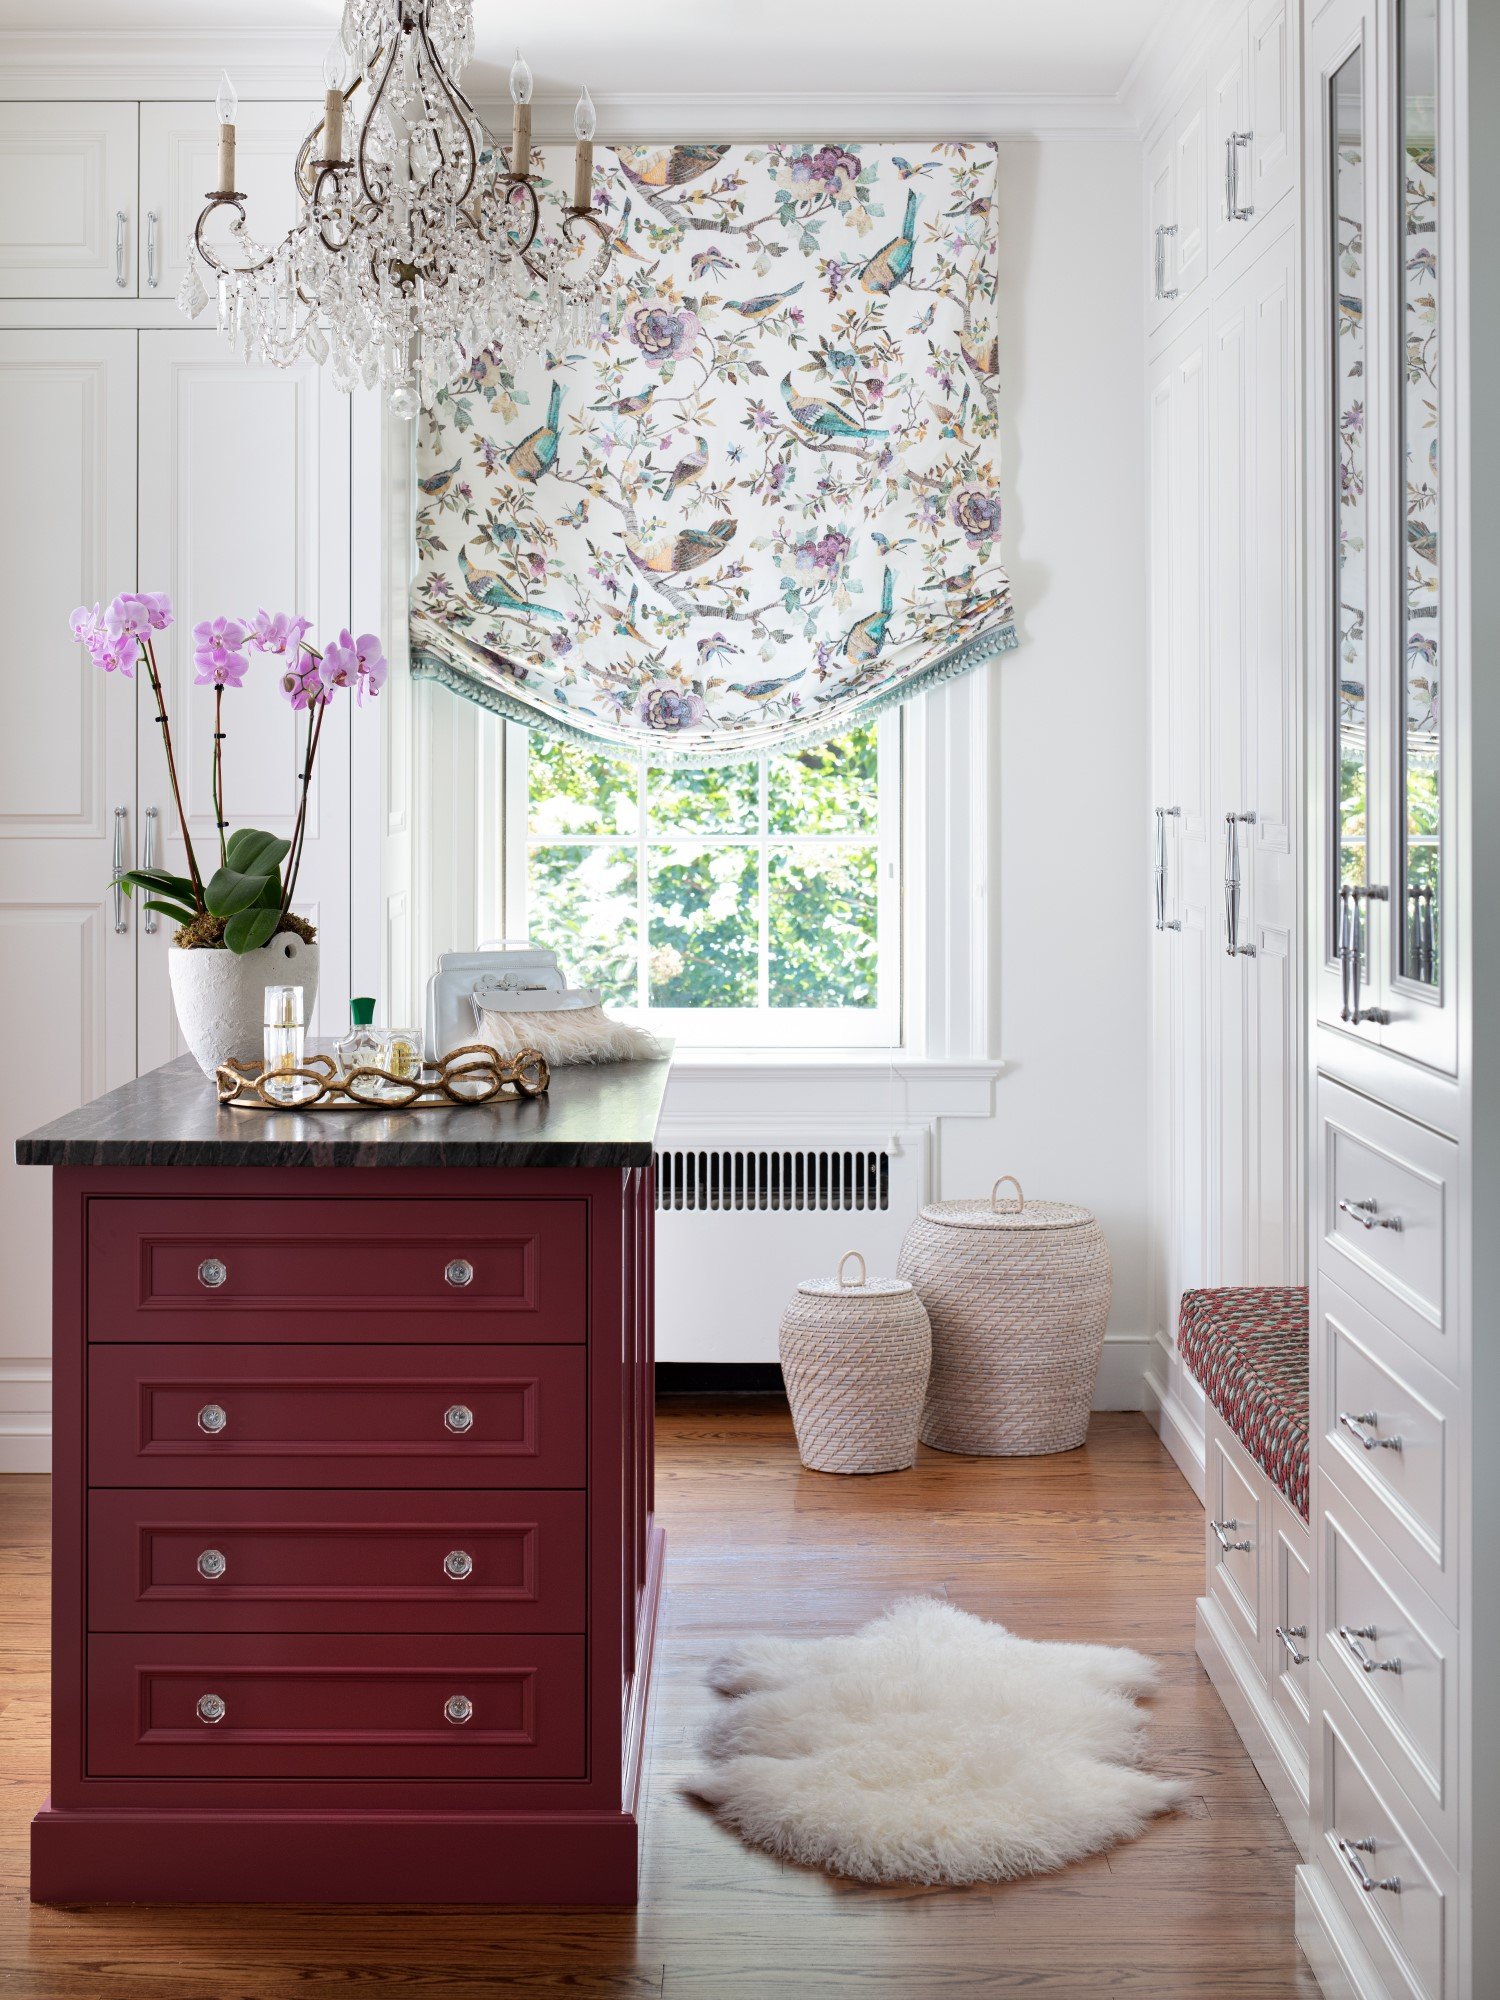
(1018, 1295)
(854, 1357)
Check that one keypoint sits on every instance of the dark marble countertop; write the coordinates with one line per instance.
(590, 1117)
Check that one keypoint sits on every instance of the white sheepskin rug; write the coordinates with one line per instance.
(931, 1746)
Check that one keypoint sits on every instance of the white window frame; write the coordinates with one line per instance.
(730, 1028)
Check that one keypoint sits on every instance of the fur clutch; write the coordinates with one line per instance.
(565, 1036)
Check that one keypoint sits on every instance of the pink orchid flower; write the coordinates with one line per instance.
(218, 657)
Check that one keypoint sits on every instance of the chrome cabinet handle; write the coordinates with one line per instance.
(212, 1418)
(1163, 231)
(212, 1273)
(1361, 1425)
(1364, 1213)
(212, 1564)
(1232, 945)
(120, 219)
(459, 1418)
(1163, 921)
(1352, 1635)
(458, 1708)
(122, 817)
(1352, 951)
(153, 276)
(1289, 1635)
(459, 1272)
(1222, 1530)
(149, 920)
(458, 1564)
(1351, 1851)
(1233, 145)
(211, 1708)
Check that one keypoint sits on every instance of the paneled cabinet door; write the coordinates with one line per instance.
(1176, 209)
(179, 163)
(1231, 203)
(1271, 72)
(67, 796)
(1254, 656)
(67, 201)
(244, 496)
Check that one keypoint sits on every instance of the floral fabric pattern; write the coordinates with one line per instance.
(1248, 1346)
(767, 501)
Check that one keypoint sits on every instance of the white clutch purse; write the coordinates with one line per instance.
(511, 997)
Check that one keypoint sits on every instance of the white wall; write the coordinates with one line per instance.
(1070, 874)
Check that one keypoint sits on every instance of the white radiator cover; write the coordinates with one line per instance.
(741, 1220)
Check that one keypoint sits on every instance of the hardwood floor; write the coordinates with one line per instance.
(1101, 1544)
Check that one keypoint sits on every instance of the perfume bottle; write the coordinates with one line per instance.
(283, 1042)
(401, 1053)
(361, 1047)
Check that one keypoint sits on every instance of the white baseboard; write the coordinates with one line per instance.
(1122, 1372)
(26, 1450)
(1180, 1431)
(1338, 1959)
(1276, 1754)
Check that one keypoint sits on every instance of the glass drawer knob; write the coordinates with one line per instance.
(458, 1708)
(458, 1563)
(212, 1272)
(459, 1418)
(460, 1272)
(212, 1563)
(212, 1418)
(211, 1708)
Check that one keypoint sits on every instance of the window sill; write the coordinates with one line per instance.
(756, 1089)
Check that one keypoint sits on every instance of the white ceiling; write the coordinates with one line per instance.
(1069, 48)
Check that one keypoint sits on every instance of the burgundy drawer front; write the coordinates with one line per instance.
(337, 1270)
(336, 1562)
(320, 1416)
(334, 1708)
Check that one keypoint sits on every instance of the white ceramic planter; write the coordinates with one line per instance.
(220, 995)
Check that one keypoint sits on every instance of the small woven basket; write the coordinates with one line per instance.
(1018, 1296)
(855, 1358)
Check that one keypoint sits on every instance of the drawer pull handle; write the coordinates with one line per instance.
(459, 1418)
(212, 1272)
(1359, 1427)
(1351, 1851)
(212, 1563)
(1364, 1213)
(459, 1272)
(212, 1418)
(1222, 1530)
(458, 1564)
(211, 1708)
(1351, 1636)
(458, 1708)
(1289, 1635)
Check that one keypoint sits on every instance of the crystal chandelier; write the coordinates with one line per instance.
(418, 242)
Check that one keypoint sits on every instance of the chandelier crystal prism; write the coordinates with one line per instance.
(419, 242)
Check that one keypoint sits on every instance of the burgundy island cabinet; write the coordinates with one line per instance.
(354, 1569)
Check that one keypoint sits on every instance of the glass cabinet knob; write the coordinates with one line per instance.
(212, 1563)
(212, 1272)
(458, 1563)
(211, 1708)
(459, 1272)
(458, 1708)
(459, 1418)
(212, 1418)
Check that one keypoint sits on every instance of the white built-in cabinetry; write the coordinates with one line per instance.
(140, 453)
(1221, 276)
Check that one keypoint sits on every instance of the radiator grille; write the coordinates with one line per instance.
(749, 1177)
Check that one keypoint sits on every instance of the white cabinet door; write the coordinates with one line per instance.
(1272, 115)
(1161, 210)
(67, 201)
(67, 769)
(1190, 150)
(244, 497)
(179, 163)
(1228, 123)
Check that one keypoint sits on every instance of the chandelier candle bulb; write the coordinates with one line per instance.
(228, 104)
(583, 160)
(520, 124)
(333, 104)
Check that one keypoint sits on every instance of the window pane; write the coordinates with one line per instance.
(573, 790)
(705, 926)
(1348, 525)
(723, 799)
(828, 787)
(582, 906)
(824, 910)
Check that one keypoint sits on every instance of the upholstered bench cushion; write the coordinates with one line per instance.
(1247, 1345)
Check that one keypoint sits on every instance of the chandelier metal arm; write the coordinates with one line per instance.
(463, 123)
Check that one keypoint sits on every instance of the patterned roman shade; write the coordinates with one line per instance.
(767, 502)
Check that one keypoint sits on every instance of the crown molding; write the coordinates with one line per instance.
(168, 65)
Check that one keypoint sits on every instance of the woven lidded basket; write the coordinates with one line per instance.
(1018, 1296)
(854, 1358)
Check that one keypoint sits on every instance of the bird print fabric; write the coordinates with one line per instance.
(767, 500)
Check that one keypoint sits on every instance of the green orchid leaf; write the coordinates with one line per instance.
(252, 852)
(175, 911)
(248, 930)
(230, 889)
(156, 878)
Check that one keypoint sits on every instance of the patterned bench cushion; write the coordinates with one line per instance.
(1247, 1345)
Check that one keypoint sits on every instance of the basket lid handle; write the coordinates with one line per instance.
(1020, 1198)
(861, 1281)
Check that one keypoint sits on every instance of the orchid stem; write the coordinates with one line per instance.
(219, 773)
(294, 858)
(148, 653)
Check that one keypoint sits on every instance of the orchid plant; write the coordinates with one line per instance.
(247, 899)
